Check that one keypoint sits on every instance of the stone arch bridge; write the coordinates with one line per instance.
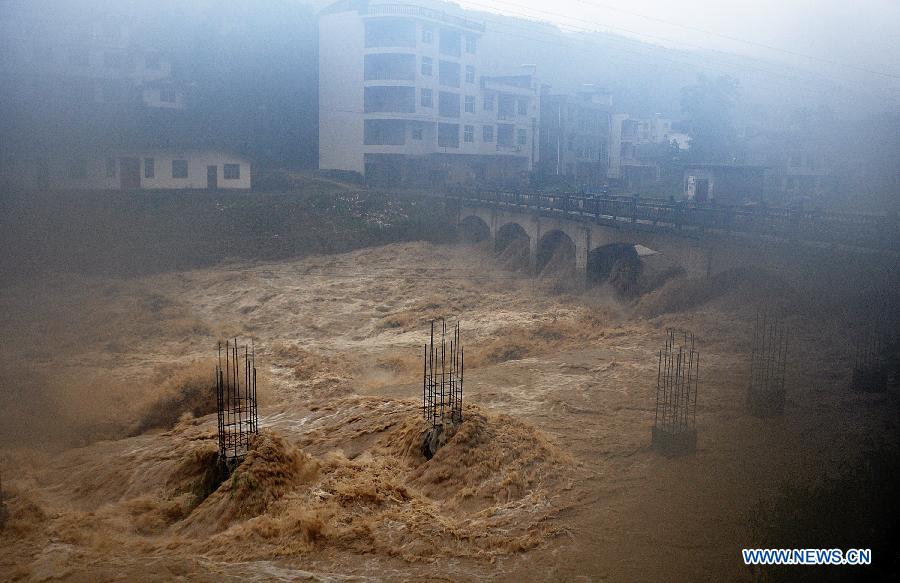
(601, 232)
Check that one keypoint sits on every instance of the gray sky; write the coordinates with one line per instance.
(864, 34)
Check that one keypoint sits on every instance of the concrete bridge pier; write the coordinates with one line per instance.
(582, 250)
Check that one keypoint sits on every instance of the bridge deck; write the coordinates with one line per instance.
(856, 230)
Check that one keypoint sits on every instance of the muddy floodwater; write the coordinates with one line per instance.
(108, 438)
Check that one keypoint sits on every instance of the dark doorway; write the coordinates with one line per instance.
(129, 173)
(385, 172)
(701, 193)
(212, 177)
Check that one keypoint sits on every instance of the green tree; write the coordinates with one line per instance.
(708, 107)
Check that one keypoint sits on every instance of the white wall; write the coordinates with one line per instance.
(197, 163)
(22, 174)
(341, 49)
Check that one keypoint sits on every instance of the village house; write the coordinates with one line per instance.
(102, 101)
(574, 138)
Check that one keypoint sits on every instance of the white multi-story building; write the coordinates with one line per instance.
(403, 98)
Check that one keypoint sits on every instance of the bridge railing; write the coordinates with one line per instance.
(882, 232)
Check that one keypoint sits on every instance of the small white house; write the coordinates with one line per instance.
(132, 170)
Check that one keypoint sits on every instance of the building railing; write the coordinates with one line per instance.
(422, 12)
(825, 227)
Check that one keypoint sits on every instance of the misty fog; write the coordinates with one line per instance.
(411, 290)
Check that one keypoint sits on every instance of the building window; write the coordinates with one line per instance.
(149, 168)
(390, 33)
(389, 66)
(448, 73)
(427, 66)
(470, 44)
(522, 106)
(427, 34)
(389, 99)
(77, 168)
(167, 94)
(448, 135)
(468, 133)
(426, 98)
(110, 167)
(448, 104)
(487, 134)
(417, 134)
(384, 132)
(449, 43)
(470, 104)
(470, 74)
(231, 171)
(179, 168)
(521, 137)
(489, 103)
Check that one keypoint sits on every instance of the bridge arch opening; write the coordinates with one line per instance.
(513, 246)
(556, 256)
(618, 265)
(473, 230)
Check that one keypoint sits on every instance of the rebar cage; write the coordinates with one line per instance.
(236, 401)
(677, 380)
(870, 362)
(442, 382)
(768, 364)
